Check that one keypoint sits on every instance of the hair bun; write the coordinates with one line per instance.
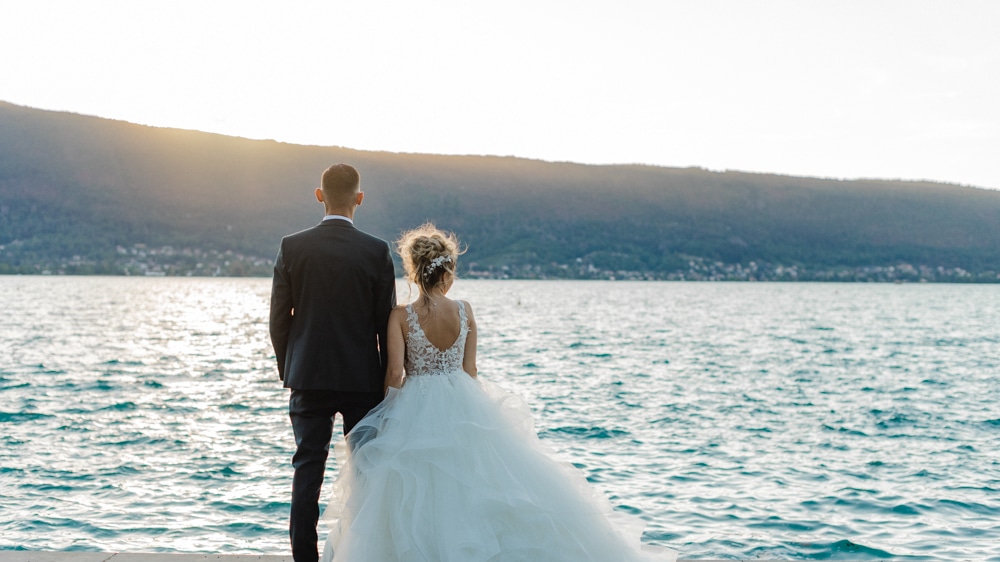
(428, 253)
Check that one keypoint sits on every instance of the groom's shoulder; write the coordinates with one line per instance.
(370, 239)
(300, 235)
(348, 234)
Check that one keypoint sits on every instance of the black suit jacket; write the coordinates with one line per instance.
(333, 289)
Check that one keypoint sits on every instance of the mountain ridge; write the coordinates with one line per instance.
(73, 185)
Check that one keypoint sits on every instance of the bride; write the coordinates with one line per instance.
(449, 468)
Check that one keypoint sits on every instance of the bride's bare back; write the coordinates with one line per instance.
(441, 322)
(439, 319)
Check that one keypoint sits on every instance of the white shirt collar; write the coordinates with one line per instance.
(340, 217)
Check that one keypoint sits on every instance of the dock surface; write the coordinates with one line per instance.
(42, 556)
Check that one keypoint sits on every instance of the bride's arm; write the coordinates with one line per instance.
(397, 345)
(469, 360)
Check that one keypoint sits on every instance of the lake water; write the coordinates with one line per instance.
(797, 421)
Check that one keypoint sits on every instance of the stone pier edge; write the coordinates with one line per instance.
(45, 556)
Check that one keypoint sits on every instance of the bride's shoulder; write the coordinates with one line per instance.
(398, 319)
(398, 313)
(468, 310)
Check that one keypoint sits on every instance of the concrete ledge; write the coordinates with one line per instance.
(41, 556)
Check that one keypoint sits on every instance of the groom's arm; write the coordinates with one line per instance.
(385, 301)
(281, 311)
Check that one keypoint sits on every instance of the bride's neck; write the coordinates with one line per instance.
(432, 297)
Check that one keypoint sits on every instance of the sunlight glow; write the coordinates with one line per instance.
(891, 89)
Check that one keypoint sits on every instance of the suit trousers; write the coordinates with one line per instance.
(312, 413)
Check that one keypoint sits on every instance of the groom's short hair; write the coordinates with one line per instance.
(340, 183)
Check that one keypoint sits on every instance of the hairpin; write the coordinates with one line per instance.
(436, 263)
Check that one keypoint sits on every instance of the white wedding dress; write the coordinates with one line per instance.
(449, 469)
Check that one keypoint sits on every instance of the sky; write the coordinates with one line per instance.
(894, 89)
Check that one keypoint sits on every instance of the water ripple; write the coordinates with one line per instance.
(796, 421)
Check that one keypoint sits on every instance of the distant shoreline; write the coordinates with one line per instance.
(841, 280)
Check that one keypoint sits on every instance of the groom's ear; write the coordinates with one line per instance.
(319, 194)
(361, 197)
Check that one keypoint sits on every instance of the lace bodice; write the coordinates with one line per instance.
(422, 357)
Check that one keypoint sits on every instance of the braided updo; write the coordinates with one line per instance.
(428, 255)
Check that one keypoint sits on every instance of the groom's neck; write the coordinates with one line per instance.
(342, 211)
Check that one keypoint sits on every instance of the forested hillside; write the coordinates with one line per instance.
(82, 194)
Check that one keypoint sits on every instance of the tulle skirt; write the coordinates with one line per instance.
(449, 469)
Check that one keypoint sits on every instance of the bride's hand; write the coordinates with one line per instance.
(392, 382)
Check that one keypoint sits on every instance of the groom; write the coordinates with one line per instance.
(333, 289)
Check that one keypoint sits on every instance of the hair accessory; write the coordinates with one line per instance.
(436, 263)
